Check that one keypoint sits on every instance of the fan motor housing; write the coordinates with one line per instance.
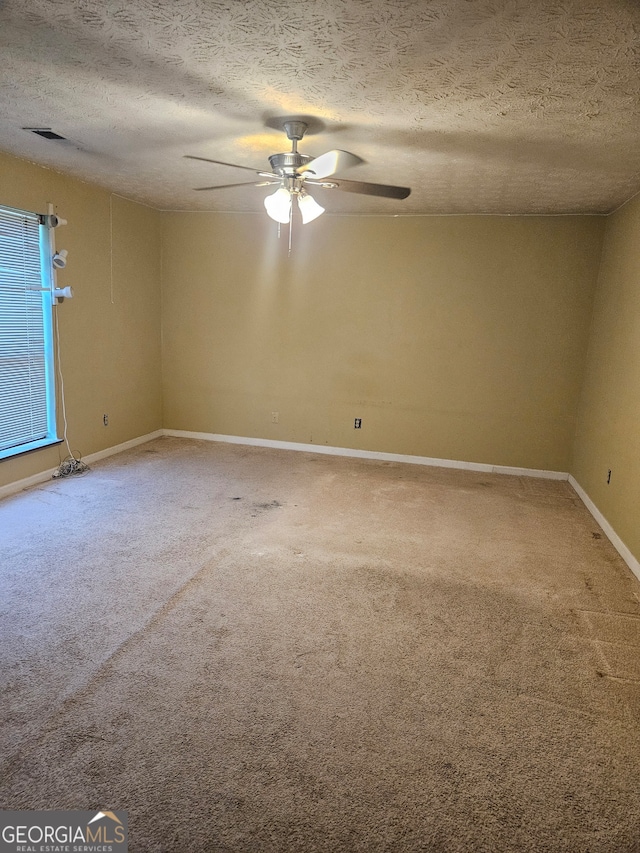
(286, 164)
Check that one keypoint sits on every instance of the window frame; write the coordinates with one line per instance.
(46, 307)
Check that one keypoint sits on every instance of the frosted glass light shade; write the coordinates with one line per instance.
(278, 205)
(309, 208)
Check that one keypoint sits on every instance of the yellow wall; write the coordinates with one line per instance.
(110, 330)
(453, 337)
(608, 434)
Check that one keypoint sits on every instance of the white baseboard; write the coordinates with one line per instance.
(369, 454)
(26, 483)
(44, 476)
(615, 540)
(126, 445)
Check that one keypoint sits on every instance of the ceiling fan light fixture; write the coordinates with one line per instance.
(309, 208)
(290, 170)
(278, 205)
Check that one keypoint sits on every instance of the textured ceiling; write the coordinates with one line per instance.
(480, 106)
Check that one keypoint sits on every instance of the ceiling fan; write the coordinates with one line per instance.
(293, 173)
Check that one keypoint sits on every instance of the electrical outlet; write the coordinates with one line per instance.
(357, 423)
(274, 417)
(105, 420)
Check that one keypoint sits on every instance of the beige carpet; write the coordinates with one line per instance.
(259, 650)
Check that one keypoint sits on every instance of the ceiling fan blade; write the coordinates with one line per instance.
(221, 163)
(383, 190)
(329, 163)
(242, 184)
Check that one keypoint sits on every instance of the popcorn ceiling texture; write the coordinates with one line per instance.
(481, 106)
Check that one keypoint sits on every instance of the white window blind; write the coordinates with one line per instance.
(27, 416)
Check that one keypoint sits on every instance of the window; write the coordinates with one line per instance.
(27, 385)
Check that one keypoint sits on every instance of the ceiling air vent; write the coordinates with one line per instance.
(45, 132)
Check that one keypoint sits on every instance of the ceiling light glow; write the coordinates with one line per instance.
(309, 208)
(278, 205)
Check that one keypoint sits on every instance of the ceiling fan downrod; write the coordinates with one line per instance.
(295, 130)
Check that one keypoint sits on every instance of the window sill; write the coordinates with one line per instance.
(19, 449)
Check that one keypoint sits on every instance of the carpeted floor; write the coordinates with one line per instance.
(260, 650)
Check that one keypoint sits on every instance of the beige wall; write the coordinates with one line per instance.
(608, 433)
(110, 330)
(453, 337)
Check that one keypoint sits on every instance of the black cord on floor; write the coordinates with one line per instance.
(70, 466)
